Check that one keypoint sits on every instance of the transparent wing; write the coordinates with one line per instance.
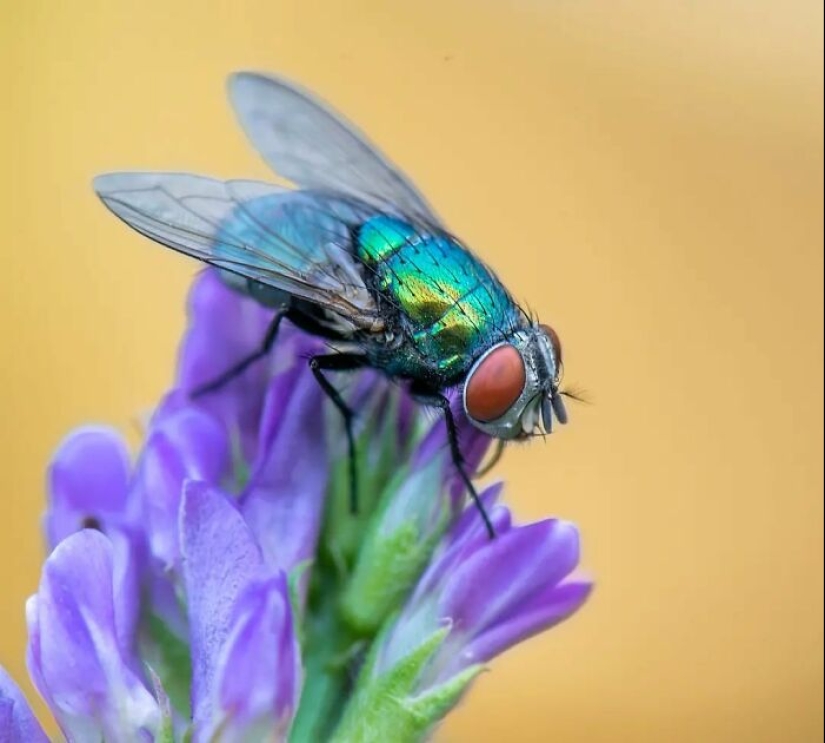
(303, 140)
(293, 241)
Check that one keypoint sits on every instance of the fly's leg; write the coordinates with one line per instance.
(500, 444)
(341, 362)
(437, 400)
(241, 366)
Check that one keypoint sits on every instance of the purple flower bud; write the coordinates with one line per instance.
(284, 499)
(472, 442)
(88, 484)
(77, 656)
(259, 671)
(184, 443)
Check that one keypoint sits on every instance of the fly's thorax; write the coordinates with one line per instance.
(512, 388)
(447, 305)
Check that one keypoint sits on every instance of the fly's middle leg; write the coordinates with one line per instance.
(341, 362)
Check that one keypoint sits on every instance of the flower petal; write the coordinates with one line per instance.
(466, 536)
(128, 558)
(17, 721)
(543, 610)
(225, 327)
(220, 560)
(184, 443)
(284, 500)
(505, 572)
(88, 483)
(75, 655)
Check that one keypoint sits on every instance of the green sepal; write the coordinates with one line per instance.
(169, 658)
(294, 591)
(343, 530)
(166, 730)
(239, 469)
(433, 705)
(384, 707)
(393, 555)
(376, 590)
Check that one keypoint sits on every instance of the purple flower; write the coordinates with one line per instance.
(246, 660)
(221, 588)
(17, 721)
(490, 595)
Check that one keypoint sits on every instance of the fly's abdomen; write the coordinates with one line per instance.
(452, 307)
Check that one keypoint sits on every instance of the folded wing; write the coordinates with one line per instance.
(297, 242)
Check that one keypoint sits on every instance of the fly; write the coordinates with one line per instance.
(355, 255)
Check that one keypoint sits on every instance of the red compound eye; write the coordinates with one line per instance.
(554, 341)
(495, 384)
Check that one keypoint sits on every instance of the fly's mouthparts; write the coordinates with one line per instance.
(547, 414)
(559, 409)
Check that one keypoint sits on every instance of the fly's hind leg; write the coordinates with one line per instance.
(241, 366)
(341, 362)
(435, 399)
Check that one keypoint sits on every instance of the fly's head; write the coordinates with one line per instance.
(512, 390)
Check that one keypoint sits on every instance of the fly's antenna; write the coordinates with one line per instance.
(577, 394)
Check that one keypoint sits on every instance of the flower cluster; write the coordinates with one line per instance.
(219, 588)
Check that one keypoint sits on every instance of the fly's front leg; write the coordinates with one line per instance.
(241, 366)
(341, 362)
(437, 400)
(500, 444)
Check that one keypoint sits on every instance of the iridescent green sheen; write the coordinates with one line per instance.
(450, 305)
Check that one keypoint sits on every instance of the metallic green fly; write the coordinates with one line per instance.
(357, 256)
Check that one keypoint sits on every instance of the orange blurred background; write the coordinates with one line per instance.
(647, 175)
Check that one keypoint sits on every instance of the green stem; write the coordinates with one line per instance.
(328, 648)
